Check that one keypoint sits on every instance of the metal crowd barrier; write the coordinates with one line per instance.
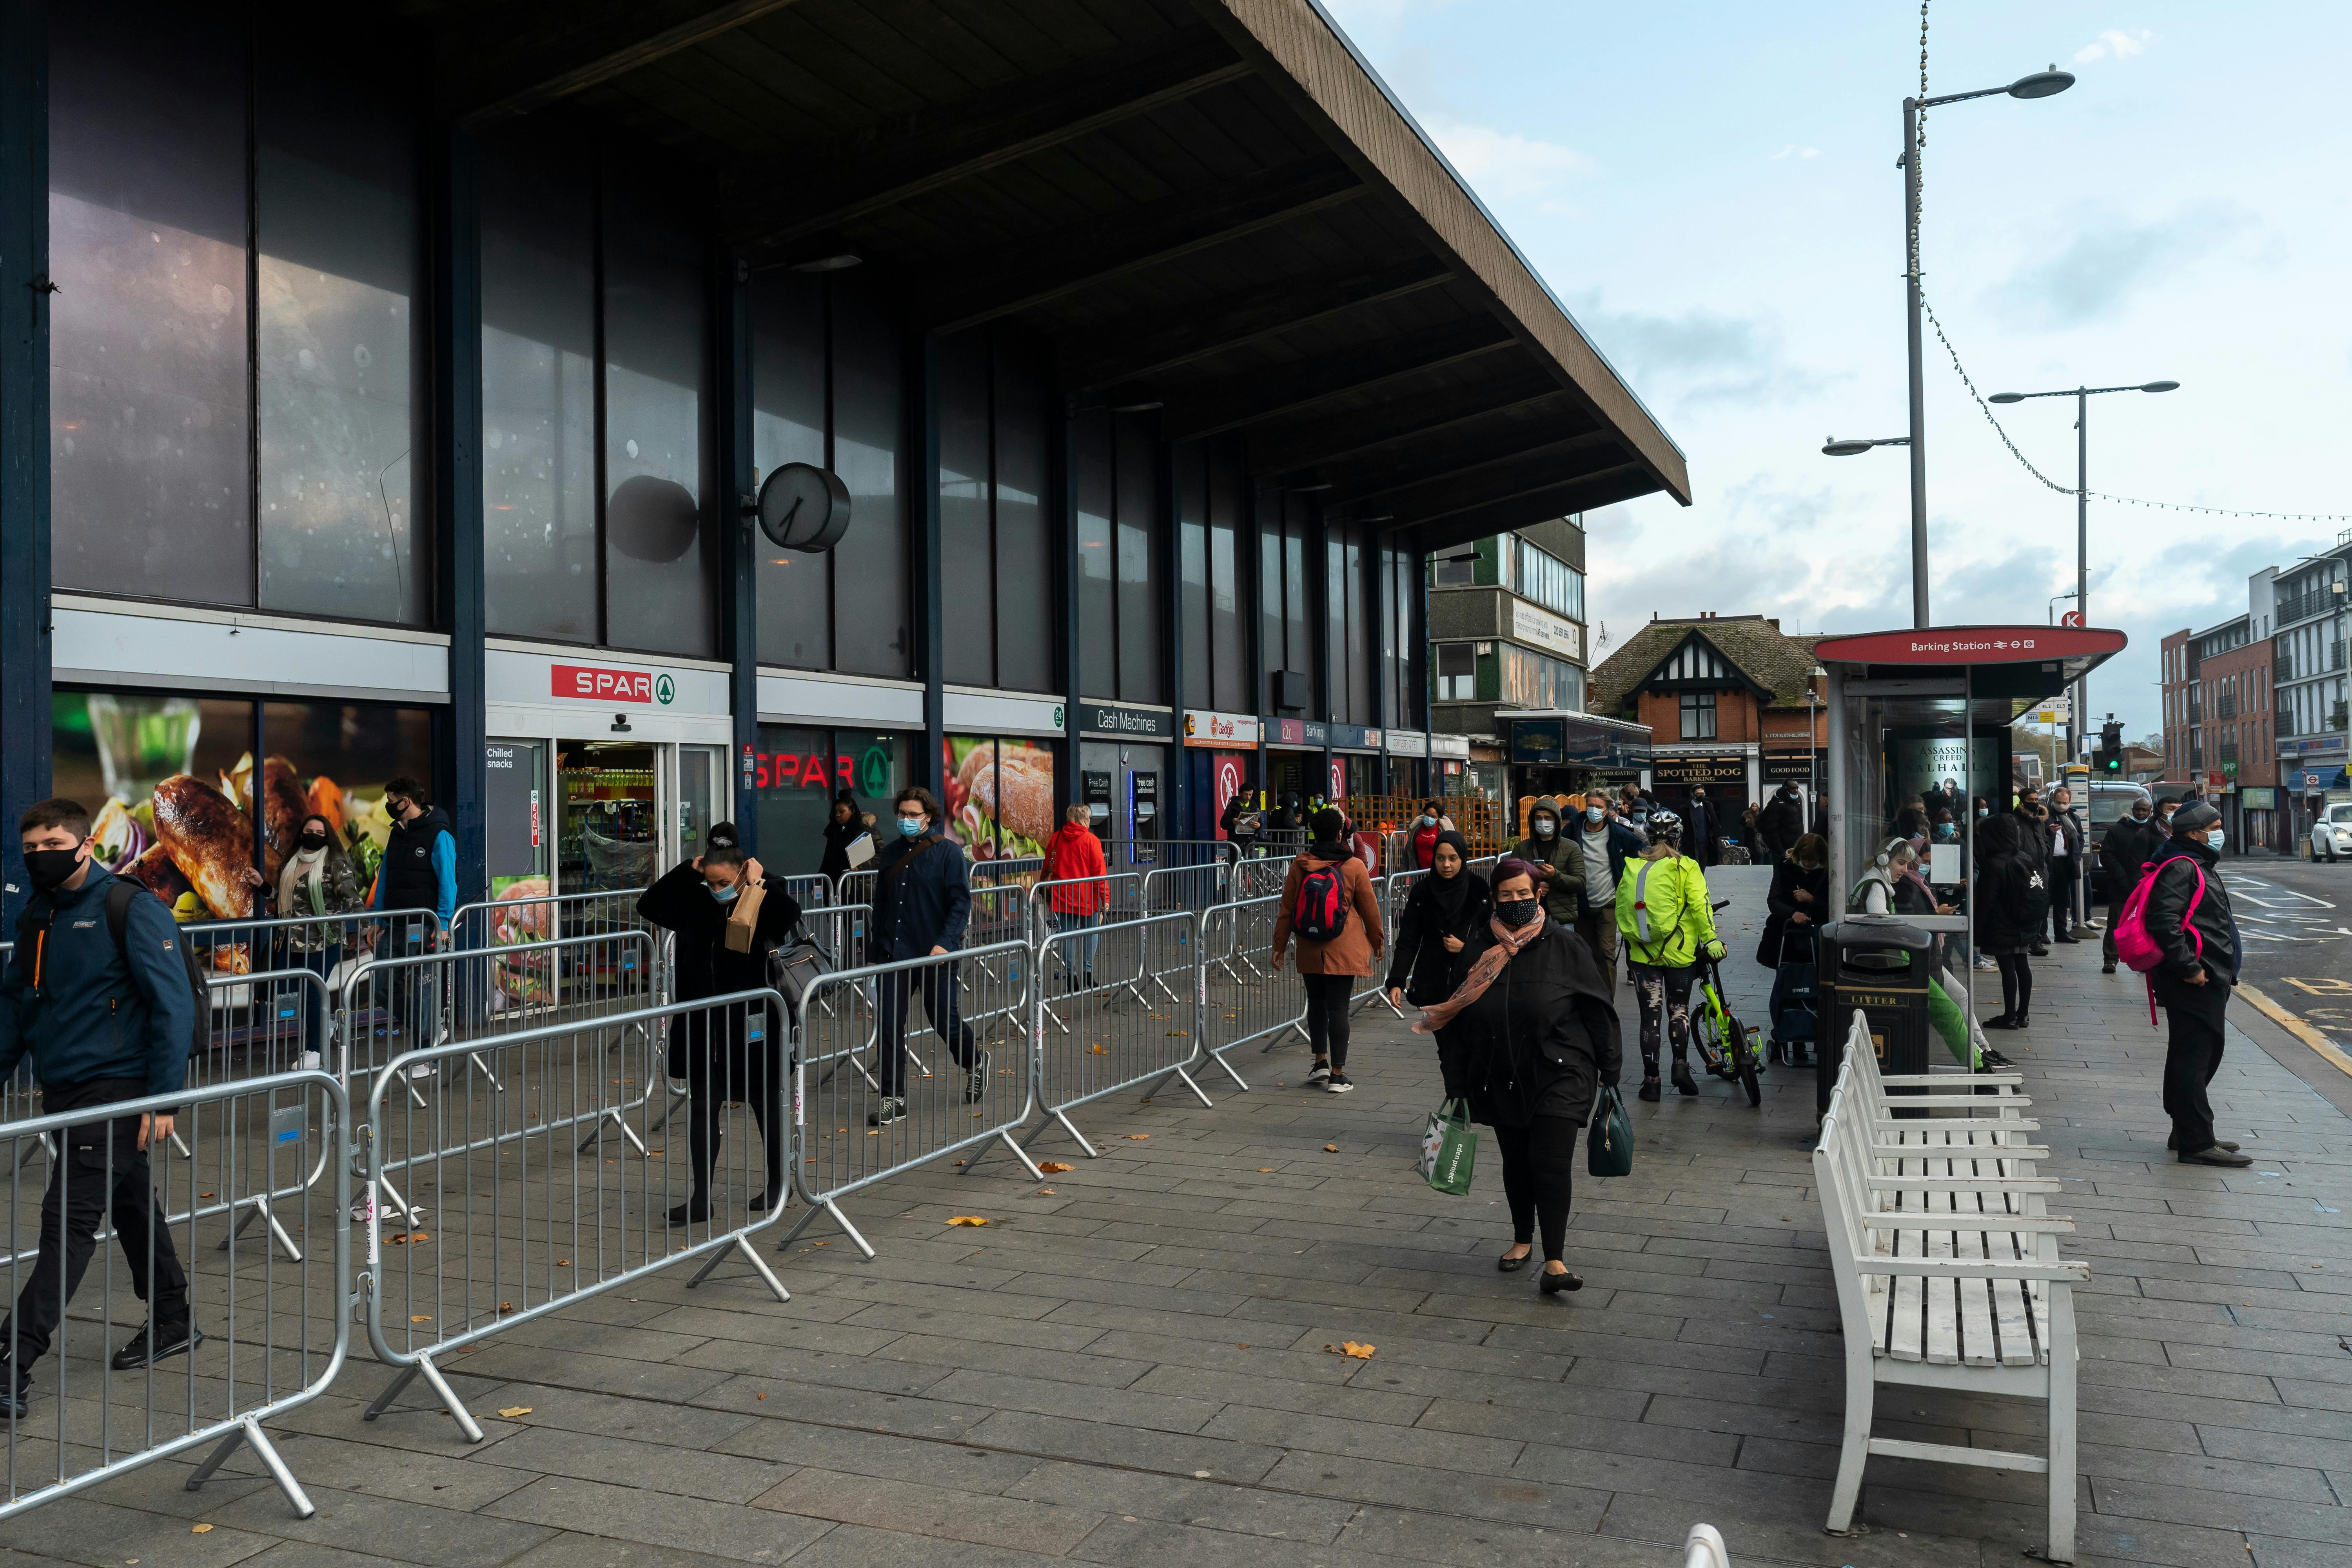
(275, 1330)
(1243, 997)
(1014, 869)
(950, 1042)
(1261, 878)
(1139, 1026)
(810, 890)
(857, 888)
(1194, 887)
(525, 1220)
(1120, 895)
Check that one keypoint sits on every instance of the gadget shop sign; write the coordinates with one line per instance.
(605, 683)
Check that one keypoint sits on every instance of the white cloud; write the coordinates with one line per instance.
(2115, 44)
(1793, 151)
(1503, 164)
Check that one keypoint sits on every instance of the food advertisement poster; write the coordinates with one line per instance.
(173, 789)
(1000, 799)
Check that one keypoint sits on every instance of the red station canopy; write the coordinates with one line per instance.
(2077, 649)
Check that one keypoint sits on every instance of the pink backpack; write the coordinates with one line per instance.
(2133, 944)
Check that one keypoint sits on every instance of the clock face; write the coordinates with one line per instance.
(803, 507)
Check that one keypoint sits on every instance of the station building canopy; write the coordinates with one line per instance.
(1215, 207)
(2003, 661)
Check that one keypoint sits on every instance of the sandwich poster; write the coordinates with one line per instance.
(999, 798)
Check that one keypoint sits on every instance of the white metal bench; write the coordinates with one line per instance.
(1946, 1266)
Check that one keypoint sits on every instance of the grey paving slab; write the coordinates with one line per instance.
(1133, 1367)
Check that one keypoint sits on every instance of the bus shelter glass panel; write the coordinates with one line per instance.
(1908, 765)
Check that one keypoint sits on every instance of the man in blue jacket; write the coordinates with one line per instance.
(922, 901)
(103, 1022)
(419, 872)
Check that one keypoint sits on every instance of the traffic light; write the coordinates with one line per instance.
(2111, 749)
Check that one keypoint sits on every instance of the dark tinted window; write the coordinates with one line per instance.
(1027, 621)
(1141, 643)
(966, 551)
(870, 604)
(1090, 477)
(788, 426)
(1193, 546)
(1228, 636)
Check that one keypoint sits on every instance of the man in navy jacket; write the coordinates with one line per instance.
(103, 1022)
(922, 901)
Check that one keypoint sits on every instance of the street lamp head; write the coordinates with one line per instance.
(2161, 386)
(1847, 449)
(2041, 84)
(2006, 397)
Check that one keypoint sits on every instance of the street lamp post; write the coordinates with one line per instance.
(2040, 84)
(2082, 396)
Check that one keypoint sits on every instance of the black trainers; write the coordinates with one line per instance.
(889, 1109)
(149, 1345)
(1649, 1088)
(975, 1085)
(1338, 1083)
(1684, 1082)
(16, 1389)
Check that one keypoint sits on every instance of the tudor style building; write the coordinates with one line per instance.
(1726, 699)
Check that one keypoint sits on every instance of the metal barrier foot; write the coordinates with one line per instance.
(751, 1256)
(261, 1207)
(831, 1210)
(474, 1060)
(1018, 1152)
(596, 1133)
(1067, 1126)
(1161, 1082)
(1239, 1080)
(1296, 1028)
(431, 1375)
(249, 1431)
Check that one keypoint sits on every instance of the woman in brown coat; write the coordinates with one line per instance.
(1339, 948)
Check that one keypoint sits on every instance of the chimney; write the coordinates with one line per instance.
(1772, 621)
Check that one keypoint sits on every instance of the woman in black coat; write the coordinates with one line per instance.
(842, 829)
(1440, 915)
(1798, 901)
(2012, 902)
(1529, 1037)
(715, 1051)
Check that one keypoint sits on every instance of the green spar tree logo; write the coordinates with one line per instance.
(664, 690)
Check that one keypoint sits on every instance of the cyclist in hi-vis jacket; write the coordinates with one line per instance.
(1664, 922)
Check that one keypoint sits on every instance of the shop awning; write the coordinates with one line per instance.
(1214, 208)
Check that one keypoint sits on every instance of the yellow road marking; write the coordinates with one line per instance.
(2298, 1029)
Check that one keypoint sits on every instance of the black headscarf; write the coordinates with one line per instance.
(1448, 894)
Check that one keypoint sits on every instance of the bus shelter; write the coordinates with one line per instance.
(1920, 723)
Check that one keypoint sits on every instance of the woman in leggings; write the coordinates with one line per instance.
(1664, 922)
(1328, 903)
(2012, 902)
(1529, 1037)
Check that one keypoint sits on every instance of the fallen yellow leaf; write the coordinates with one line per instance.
(421, 1318)
(1138, 1137)
(511, 1411)
(966, 1219)
(200, 1530)
(564, 1263)
(1360, 1353)
(506, 1306)
(1052, 1165)
(1044, 1192)
(1099, 1050)
(1330, 1148)
(1265, 1170)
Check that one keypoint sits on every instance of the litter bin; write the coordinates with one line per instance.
(1878, 965)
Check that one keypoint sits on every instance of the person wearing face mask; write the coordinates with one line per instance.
(1079, 890)
(728, 921)
(2065, 862)
(844, 827)
(2013, 901)
(1345, 904)
(103, 1021)
(1666, 922)
(2125, 849)
(1558, 860)
(1795, 910)
(1606, 844)
(1701, 823)
(922, 904)
(1426, 827)
(2165, 806)
(1439, 917)
(316, 881)
(1781, 824)
(1529, 1037)
(420, 859)
(2187, 912)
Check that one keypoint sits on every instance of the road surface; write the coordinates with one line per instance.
(2296, 920)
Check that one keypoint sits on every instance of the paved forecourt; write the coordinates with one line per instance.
(1146, 1358)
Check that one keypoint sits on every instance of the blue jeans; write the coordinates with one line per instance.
(320, 962)
(1079, 957)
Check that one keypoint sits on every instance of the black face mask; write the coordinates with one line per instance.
(1516, 911)
(311, 843)
(49, 869)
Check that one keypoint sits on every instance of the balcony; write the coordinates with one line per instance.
(2225, 706)
(2303, 606)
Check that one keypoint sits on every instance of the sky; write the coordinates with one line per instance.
(1711, 190)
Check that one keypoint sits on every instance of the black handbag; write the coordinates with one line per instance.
(796, 966)
(1609, 1145)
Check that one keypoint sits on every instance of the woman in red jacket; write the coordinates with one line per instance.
(1072, 855)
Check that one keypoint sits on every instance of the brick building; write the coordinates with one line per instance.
(2219, 729)
(1726, 699)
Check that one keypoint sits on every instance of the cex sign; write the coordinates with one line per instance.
(601, 683)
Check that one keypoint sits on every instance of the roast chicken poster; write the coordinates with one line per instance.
(174, 787)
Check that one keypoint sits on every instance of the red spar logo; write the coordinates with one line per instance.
(592, 683)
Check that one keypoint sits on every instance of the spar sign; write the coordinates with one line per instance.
(603, 683)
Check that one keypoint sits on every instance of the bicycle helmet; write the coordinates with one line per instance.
(1666, 827)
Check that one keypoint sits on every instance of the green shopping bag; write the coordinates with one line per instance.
(1609, 1144)
(1449, 1148)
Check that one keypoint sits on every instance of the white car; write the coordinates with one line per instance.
(2331, 836)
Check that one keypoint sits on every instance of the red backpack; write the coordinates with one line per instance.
(1321, 911)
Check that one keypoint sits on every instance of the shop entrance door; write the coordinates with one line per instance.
(609, 834)
(702, 798)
